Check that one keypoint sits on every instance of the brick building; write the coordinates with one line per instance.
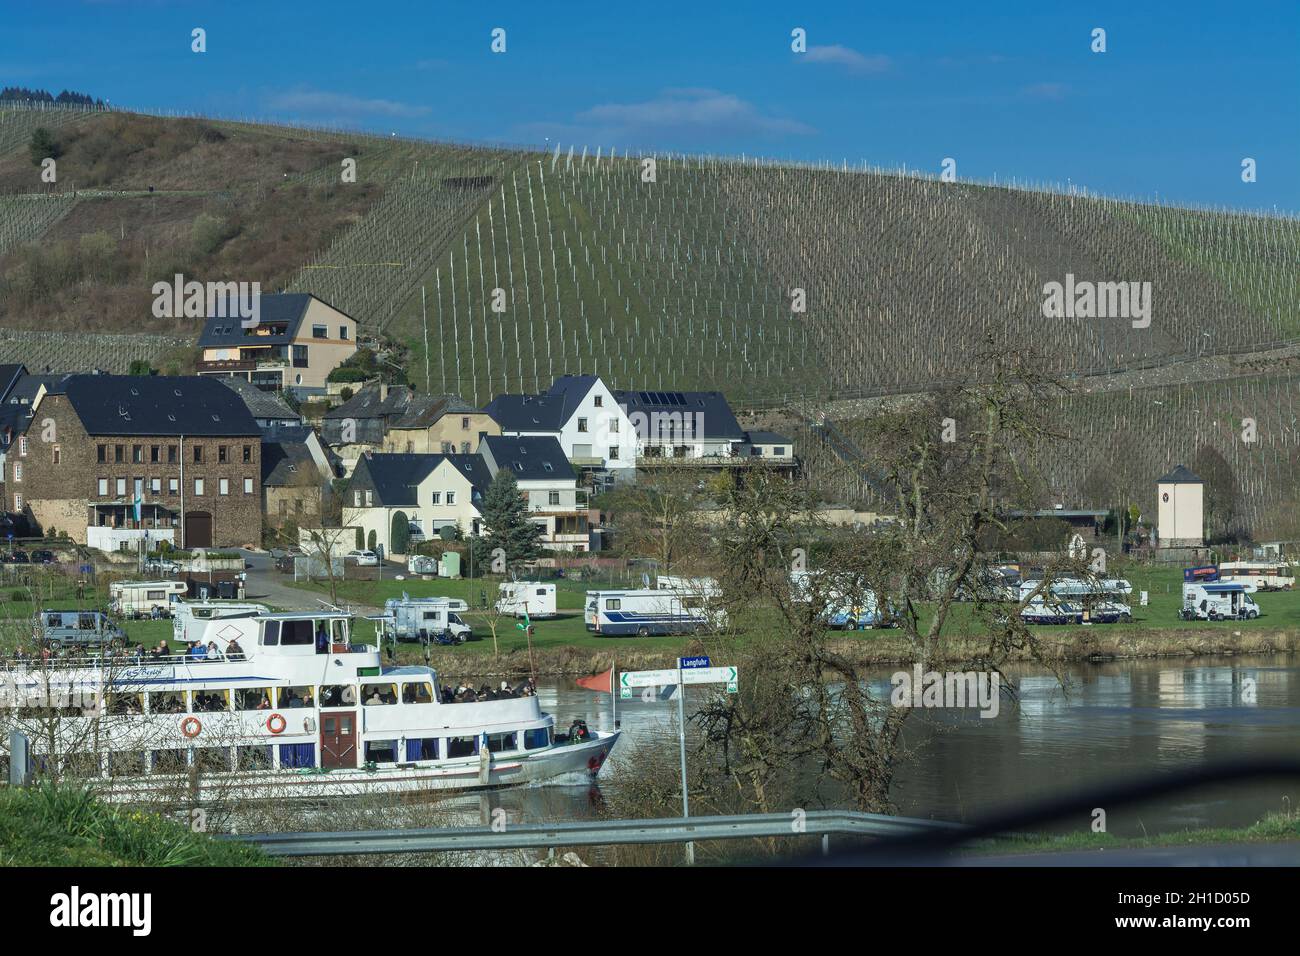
(185, 447)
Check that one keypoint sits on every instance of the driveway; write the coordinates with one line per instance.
(264, 583)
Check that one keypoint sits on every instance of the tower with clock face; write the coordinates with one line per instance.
(1181, 509)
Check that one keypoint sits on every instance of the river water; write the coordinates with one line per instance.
(1111, 722)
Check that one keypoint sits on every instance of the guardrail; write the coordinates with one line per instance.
(548, 836)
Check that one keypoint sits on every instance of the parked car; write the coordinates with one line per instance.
(363, 559)
(42, 557)
(17, 556)
(161, 566)
(56, 629)
(285, 562)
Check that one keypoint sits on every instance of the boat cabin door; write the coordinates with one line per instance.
(338, 739)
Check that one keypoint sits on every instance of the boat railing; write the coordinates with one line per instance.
(64, 662)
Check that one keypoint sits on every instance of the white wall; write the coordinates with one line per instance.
(607, 426)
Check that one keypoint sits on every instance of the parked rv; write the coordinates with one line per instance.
(56, 629)
(1101, 601)
(1217, 601)
(534, 599)
(135, 599)
(644, 612)
(190, 619)
(423, 619)
(1039, 611)
(1261, 575)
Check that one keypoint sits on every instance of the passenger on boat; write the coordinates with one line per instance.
(197, 651)
(375, 698)
(265, 703)
(322, 640)
(213, 653)
(233, 651)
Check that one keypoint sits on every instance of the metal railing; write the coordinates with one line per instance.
(548, 836)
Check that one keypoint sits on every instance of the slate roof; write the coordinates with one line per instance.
(394, 477)
(157, 405)
(284, 463)
(529, 458)
(277, 308)
(541, 413)
(403, 407)
(709, 414)
(260, 403)
(1182, 475)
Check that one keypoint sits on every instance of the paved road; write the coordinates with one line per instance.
(264, 583)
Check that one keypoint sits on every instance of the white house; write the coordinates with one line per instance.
(1181, 511)
(548, 483)
(582, 414)
(432, 491)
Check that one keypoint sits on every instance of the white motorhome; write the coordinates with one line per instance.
(1103, 601)
(1217, 601)
(423, 619)
(535, 599)
(1258, 575)
(190, 619)
(145, 598)
(651, 611)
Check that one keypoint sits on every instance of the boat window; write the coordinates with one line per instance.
(422, 748)
(253, 698)
(167, 702)
(126, 703)
(421, 693)
(126, 763)
(462, 746)
(376, 694)
(339, 631)
(170, 761)
(209, 701)
(212, 758)
(505, 741)
(297, 697)
(537, 737)
(255, 758)
(381, 751)
(296, 633)
(271, 634)
(338, 695)
(297, 755)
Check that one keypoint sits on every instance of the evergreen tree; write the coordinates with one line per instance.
(506, 515)
(399, 535)
(43, 146)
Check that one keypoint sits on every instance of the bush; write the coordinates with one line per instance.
(400, 533)
(345, 373)
(43, 146)
(209, 232)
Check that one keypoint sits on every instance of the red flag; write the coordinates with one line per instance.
(601, 682)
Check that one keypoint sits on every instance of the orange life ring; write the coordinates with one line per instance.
(276, 723)
(191, 726)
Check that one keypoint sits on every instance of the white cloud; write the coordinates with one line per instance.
(1045, 91)
(848, 58)
(323, 103)
(691, 110)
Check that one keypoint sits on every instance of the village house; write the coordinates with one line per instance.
(268, 409)
(398, 419)
(182, 453)
(429, 493)
(580, 413)
(296, 474)
(296, 343)
(549, 485)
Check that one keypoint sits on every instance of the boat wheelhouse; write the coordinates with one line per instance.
(290, 707)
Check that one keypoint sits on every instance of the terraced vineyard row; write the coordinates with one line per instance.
(81, 352)
(25, 218)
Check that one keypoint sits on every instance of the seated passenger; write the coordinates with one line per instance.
(233, 651)
(213, 653)
(375, 698)
(264, 703)
(197, 651)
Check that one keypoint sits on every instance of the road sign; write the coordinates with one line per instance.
(646, 678)
(710, 675)
(696, 675)
(692, 662)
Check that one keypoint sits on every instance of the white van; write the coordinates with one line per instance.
(190, 618)
(1217, 601)
(533, 598)
(145, 598)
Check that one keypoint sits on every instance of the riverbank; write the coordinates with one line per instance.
(865, 648)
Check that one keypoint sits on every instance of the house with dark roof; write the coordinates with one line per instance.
(268, 409)
(399, 419)
(549, 485)
(296, 475)
(582, 414)
(426, 492)
(297, 341)
(113, 459)
(1180, 511)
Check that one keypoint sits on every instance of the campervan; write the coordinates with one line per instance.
(145, 598)
(532, 599)
(650, 611)
(88, 629)
(1258, 575)
(190, 619)
(1101, 601)
(423, 619)
(1217, 601)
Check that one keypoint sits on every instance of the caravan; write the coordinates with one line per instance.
(532, 599)
(145, 598)
(423, 619)
(1217, 601)
(1258, 575)
(644, 612)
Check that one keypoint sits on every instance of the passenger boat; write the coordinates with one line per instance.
(290, 707)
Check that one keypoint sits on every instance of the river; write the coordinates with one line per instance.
(1113, 721)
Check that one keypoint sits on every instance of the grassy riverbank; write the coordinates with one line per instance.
(51, 825)
(1274, 828)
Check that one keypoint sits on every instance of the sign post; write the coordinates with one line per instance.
(690, 670)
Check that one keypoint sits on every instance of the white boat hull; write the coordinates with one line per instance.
(567, 763)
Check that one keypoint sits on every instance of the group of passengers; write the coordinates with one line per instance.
(209, 702)
(466, 694)
(197, 652)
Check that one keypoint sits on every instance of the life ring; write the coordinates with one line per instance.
(276, 723)
(191, 726)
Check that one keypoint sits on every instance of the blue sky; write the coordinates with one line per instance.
(1010, 89)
